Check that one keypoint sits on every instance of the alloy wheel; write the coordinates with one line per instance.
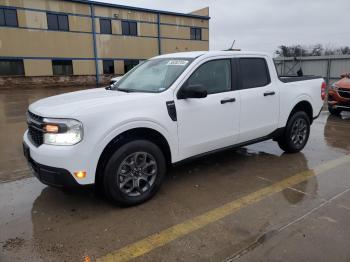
(299, 131)
(137, 173)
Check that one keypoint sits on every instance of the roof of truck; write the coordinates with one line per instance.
(196, 54)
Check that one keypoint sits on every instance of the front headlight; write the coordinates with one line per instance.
(62, 132)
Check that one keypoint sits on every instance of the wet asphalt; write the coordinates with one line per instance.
(305, 222)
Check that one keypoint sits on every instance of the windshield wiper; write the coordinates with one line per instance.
(123, 90)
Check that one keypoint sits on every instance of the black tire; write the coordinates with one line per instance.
(334, 111)
(287, 141)
(112, 182)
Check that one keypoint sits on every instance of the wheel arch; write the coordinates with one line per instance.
(304, 106)
(146, 133)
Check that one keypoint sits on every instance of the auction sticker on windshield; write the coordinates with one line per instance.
(177, 62)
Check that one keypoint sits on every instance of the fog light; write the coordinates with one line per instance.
(80, 174)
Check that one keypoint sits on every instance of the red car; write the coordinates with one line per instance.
(339, 96)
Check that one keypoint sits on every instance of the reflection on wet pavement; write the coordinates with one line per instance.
(39, 223)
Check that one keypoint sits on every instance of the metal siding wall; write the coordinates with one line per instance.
(339, 67)
(329, 67)
(314, 67)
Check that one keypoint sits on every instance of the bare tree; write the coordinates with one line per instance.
(314, 50)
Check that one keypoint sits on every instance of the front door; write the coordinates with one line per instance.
(206, 124)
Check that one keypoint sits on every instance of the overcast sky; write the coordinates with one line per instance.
(263, 25)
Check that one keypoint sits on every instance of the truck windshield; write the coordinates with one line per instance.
(152, 76)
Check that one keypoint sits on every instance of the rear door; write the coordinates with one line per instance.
(259, 99)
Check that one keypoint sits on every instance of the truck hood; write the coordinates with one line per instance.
(344, 83)
(74, 103)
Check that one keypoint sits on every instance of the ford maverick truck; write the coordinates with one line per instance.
(170, 108)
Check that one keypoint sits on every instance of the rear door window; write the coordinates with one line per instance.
(253, 72)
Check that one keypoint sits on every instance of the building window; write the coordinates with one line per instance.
(11, 67)
(8, 17)
(196, 33)
(105, 26)
(130, 64)
(129, 28)
(108, 67)
(62, 67)
(57, 22)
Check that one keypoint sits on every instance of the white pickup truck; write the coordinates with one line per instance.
(169, 108)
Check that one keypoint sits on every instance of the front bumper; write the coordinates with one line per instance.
(52, 176)
(338, 102)
(337, 105)
(69, 159)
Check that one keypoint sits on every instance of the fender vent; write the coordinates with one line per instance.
(171, 110)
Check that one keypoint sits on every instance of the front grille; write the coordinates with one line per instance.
(343, 92)
(35, 131)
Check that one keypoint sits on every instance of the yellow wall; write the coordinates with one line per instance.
(97, 25)
(175, 31)
(34, 67)
(203, 11)
(173, 46)
(112, 46)
(205, 34)
(79, 23)
(100, 67)
(50, 5)
(119, 67)
(125, 14)
(84, 67)
(144, 29)
(178, 20)
(180, 32)
(37, 67)
(116, 27)
(22, 42)
(31, 19)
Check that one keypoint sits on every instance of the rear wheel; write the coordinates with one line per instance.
(334, 111)
(296, 133)
(134, 173)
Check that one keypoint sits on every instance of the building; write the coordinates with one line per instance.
(51, 42)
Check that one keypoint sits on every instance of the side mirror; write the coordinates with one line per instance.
(192, 91)
(115, 80)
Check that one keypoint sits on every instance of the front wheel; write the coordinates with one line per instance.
(296, 133)
(134, 173)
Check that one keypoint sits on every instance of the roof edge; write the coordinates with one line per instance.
(138, 9)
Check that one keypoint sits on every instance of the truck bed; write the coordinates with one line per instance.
(288, 79)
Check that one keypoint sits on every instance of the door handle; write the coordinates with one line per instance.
(228, 100)
(269, 93)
